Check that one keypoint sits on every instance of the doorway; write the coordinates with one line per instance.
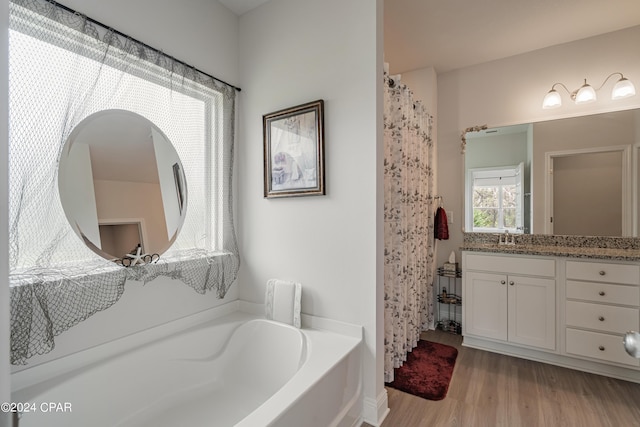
(588, 192)
(118, 239)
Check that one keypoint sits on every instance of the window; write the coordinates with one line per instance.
(62, 69)
(58, 76)
(496, 200)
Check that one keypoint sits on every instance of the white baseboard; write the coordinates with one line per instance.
(376, 410)
(631, 374)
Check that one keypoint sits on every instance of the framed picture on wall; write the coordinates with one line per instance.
(294, 151)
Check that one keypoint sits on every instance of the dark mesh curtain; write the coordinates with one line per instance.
(63, 68)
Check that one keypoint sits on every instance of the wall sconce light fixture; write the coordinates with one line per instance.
(586, 93)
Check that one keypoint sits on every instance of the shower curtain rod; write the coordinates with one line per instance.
(108, 28)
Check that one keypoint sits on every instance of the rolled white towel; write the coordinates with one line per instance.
(282, 301)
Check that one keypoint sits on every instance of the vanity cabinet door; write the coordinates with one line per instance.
(485, 305)
(532, 311)
(516, 309)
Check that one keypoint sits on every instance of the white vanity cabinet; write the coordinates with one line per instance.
(563, 310)
(602, 303)
(510, 299)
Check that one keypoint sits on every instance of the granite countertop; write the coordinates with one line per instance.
(566, 251)
(622, 249)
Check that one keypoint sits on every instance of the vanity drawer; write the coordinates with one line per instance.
(603, 292)
(511, 265)
(604, 272)
(598, 346)
(601, 317)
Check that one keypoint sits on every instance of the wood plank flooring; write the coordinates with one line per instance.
(492, 390)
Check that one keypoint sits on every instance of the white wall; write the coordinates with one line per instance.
(424, 85)
(292, 52)
(497, 150)
(510, 91)
(202, 33)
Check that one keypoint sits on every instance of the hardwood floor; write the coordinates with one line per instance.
(489, 389)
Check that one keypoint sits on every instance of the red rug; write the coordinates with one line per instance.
(427, 371)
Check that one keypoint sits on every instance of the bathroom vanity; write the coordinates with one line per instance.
(567, 301)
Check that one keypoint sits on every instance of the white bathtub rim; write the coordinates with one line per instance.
(300, 384)
(355, 399)
(60, 368)
(306, 377)
(219, 352)
(167, 400)
(311, 325)
(311, 372)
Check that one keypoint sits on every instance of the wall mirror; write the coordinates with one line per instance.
(574, 176)
(122, 184)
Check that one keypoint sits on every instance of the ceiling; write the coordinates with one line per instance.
(451, 34)
(241, 6)
(121, 148)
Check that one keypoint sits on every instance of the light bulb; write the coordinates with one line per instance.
(623, 89)
(585, 94)
(552, 100)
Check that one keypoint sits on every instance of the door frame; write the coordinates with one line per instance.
(627, 190)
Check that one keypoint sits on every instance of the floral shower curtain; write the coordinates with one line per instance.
(408, 223)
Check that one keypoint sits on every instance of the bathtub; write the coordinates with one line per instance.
(235, 370)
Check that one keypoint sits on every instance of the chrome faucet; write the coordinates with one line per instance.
(506, 239)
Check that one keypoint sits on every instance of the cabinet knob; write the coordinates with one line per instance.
(602, 272)
(502, 282)
(601, 348)
(601, 293)
(601, 318)
(512, 283)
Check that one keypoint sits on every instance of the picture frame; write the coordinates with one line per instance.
(294, 151)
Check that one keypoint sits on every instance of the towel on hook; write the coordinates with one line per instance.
(441, 227)
(282, 301)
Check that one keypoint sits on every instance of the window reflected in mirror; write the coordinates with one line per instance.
(497, 199)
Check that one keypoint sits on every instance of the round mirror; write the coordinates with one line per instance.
(122, 185)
